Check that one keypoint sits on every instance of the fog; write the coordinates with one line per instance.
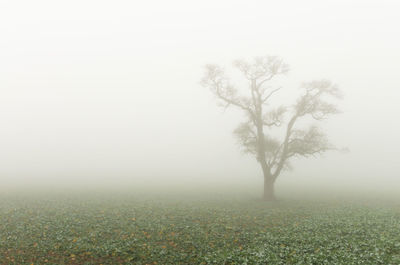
(107, 94)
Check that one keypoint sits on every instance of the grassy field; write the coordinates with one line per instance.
(123, 229)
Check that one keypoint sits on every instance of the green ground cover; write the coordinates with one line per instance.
(128, 230)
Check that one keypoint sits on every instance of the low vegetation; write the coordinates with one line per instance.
(129, 230)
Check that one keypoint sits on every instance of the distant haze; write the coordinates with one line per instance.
(107, 92)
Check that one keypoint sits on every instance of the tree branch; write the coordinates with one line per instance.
(270, 94)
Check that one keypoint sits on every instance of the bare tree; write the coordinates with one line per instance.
(255, 134)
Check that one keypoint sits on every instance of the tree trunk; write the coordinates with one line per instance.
(269, 181)
(269, 194)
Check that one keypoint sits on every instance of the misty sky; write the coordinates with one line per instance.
(109, 90)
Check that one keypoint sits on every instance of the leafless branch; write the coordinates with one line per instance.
(270, 94)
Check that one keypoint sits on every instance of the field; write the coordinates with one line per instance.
(124, 229)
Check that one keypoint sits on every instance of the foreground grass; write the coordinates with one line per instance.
(128, 230)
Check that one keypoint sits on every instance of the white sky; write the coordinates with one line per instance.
(109, 90)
